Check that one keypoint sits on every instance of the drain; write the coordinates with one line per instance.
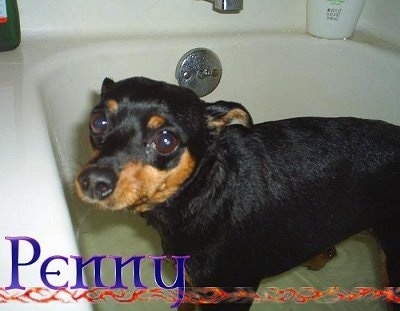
(199, 70)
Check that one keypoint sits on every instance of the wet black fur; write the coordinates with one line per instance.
(267, 197)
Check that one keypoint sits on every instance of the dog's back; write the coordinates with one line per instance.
(280, 192)
(328, 179)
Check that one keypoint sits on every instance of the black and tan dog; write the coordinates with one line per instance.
(244, 201)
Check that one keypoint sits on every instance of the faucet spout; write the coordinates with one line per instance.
(227, 6)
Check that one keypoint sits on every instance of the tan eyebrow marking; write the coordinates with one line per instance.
(112, 105)
(155, 122)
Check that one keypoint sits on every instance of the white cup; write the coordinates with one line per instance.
(333, 19)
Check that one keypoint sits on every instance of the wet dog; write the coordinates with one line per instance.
(246, 201)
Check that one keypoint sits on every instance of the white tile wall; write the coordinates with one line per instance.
(152, 17)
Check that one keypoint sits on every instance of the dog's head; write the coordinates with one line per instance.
(147, 139)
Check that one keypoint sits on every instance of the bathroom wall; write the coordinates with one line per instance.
(153, 17)
(125, 17)
(381, 18)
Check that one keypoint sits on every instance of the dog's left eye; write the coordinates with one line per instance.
(98, 123)
(165, 142)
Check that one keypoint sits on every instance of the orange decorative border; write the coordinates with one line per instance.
(204, 295)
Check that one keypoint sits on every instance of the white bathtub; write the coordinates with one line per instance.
(48, 87)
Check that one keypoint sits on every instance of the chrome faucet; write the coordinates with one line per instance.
(227, 6)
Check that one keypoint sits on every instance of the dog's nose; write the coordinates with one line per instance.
(97, 183)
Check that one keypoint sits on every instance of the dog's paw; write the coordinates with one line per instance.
(318, 262)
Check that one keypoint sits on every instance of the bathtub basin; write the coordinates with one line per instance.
(274, 75)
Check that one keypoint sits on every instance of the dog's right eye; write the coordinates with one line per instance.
(98, 123)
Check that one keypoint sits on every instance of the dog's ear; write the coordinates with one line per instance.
(221, 114)
(106, 85)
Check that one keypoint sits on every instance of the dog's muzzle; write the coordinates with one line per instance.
(97, 183)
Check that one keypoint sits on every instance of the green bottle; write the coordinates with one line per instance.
(10, 31)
